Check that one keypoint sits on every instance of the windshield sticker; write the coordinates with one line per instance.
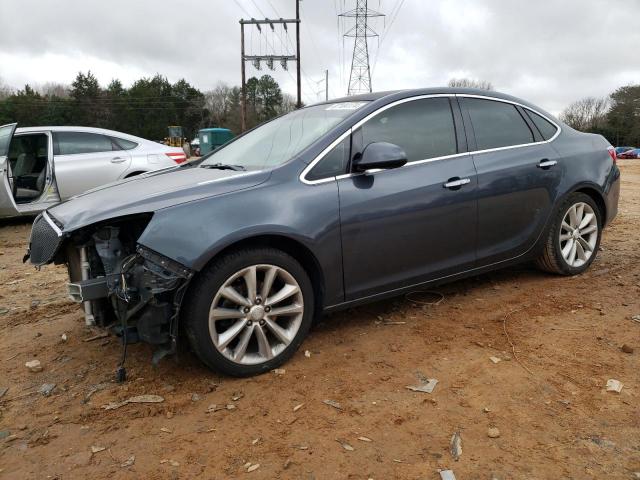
(346, 106)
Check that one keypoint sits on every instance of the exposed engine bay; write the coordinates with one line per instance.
(124, 286)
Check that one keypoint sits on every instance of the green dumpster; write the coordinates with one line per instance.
(212, 138)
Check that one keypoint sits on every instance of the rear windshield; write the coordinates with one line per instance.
(279, 140)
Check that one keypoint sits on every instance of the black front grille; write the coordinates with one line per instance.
(44, 241)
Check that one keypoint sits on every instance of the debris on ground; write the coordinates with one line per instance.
(253, 467)
(279, 371)
(34, 366)
(214, 408)
(307, 353)
(636, 318)
(425, 385)
(495, 359)
(298, 407)
(97, 448)
(96, 337)
(230, 406)
(455, 446)
(128, 462)
(447, 475)
(173, 463)
(46, 389)
(333, 404)
(365, 439)
(136, 399)
(626, 348)
(493, 432)
(614, 385)
(3, 391)
(64, 337)
(345, 445)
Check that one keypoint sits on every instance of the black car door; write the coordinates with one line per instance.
(518, 176)
(407, 225)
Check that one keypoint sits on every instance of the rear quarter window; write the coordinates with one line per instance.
(544, 126)
(123, 144)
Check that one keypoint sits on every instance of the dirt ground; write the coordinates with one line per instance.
(559, 341)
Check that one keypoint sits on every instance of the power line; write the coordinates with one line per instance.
(393, 17)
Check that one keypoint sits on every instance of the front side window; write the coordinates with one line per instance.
(279, 140)
(422, 128)
(70, 143)
(497, 124)
(544, 126)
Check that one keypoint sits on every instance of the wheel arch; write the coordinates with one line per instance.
(288, 245)
(597, 196)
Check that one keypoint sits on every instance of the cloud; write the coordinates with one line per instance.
(548, 52)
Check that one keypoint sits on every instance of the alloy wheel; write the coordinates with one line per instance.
(578, 234)
(256, 314)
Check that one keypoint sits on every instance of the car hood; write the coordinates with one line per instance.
(151, 192)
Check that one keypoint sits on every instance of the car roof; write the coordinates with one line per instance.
(101, 131)
(398, 94)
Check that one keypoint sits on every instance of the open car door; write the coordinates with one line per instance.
(7, 204)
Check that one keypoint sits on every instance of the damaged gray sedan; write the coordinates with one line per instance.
(327, 207)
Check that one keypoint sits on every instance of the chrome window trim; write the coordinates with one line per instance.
(51, 223)
(349, 131)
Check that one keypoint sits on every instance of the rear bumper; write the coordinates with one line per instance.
(612, 195)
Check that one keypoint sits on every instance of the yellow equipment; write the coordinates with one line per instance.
(175, 138)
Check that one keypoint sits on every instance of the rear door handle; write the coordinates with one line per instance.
(455, 183)
(118, 160)
(545, 164)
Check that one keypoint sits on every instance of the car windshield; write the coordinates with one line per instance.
(279, 140)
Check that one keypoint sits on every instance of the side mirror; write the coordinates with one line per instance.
(380, 155)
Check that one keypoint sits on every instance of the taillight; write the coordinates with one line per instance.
(612, 154)
(177, 157)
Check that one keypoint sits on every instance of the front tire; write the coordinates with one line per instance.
(249, 311)
(574, 237)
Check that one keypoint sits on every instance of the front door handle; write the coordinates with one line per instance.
(118, 160)
(546, 164)
(456, 182)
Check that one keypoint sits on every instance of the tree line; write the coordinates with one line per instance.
(616, 117)
(144, 109)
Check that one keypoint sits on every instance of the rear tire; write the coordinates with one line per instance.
(236, 331)
(573, 239)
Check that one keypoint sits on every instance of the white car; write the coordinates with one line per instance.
(42, 166)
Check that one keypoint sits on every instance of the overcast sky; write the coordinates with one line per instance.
(550, 52)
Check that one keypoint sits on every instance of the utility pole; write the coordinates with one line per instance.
(243, 100)
(360, 76)
(268, 59)
(299, 104)
(326, 85)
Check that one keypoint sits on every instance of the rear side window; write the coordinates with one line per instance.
(122, 144)
(497, 124)
(544, 126)
(422, 128)
(334, 163)
(70, 143)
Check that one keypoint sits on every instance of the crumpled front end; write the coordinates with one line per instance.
(122, 285)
